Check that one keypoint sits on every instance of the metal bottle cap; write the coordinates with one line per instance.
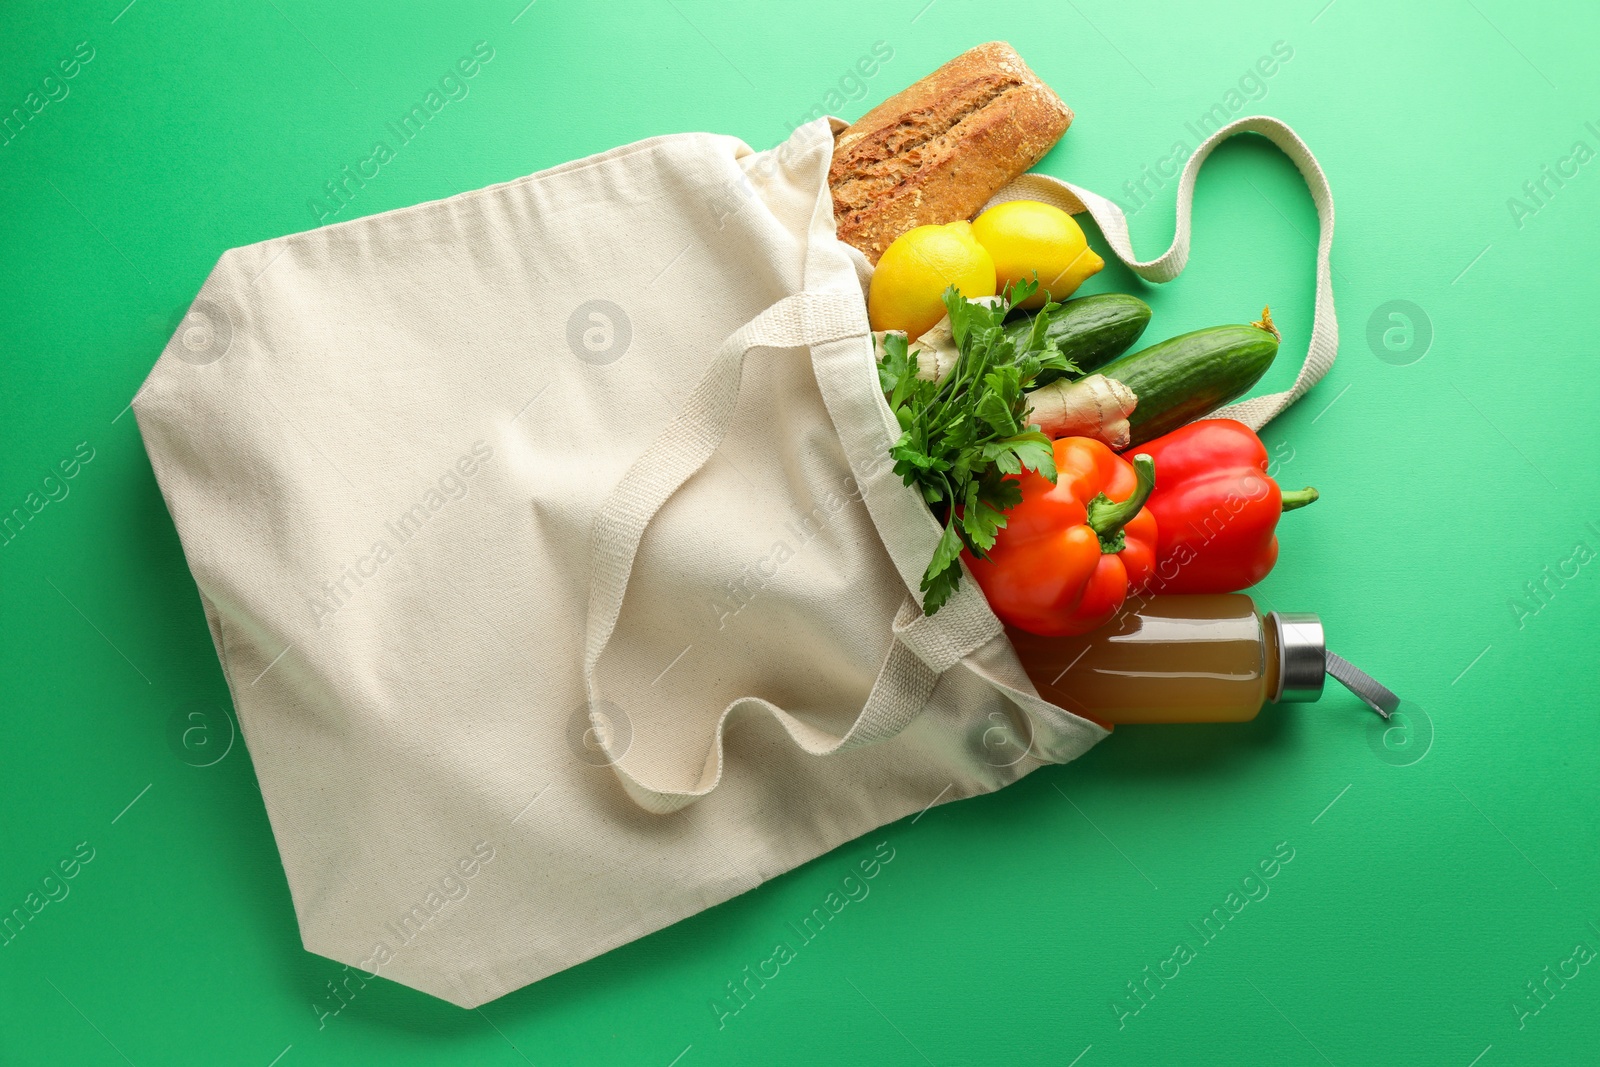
(1302, 656)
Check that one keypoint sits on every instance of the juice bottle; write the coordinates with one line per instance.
(1192, 658)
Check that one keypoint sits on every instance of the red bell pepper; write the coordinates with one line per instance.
(1070, 551)
(1216, 509)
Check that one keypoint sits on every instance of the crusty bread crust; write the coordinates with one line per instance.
(938, 150)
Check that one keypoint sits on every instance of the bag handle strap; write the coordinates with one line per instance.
(1324, 345)
(922, 648)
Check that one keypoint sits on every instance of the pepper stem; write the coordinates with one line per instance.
(1107, 517)
(1299, 498)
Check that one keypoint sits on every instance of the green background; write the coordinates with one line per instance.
(1436, 870)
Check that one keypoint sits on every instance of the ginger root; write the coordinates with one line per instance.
(1095, 406)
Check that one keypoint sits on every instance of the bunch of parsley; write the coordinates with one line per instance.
(965, 435)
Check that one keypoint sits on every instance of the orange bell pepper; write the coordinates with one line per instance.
(1069, 552)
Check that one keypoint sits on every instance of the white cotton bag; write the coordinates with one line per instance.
(551, 550)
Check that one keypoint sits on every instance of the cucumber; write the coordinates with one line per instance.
(1089, 330)
(1192, 375)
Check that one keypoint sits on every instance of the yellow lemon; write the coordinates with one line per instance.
(915, 270)
(1025, 236)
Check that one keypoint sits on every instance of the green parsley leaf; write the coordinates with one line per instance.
(965, 439)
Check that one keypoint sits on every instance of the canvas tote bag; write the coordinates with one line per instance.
(557, 570)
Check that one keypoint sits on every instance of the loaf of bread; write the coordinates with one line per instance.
(937, 151)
